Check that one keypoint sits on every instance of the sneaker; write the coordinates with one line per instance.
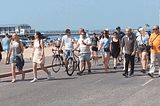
(34, 80)
(125, 75)
(151, 75)
(89, 71)
(79, 73)
(131, 75)
(115, 68)
(118, 64)
(49, 75)
(143, 71)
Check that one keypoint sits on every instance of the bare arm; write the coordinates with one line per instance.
(76, 47)
(100, 46)
(10, 51)
(62, 44)
(42, 48)
(22, 49)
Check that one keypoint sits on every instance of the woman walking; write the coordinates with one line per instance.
(105, 44)
(143, 48)
(38, 56)
(115, 48)
(16, 54)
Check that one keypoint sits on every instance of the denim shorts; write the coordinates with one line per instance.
(6, 51)
(84, 56)
(105, 53)
(12, 60)
(67, 53)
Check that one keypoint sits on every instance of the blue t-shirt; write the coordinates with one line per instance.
(67, 42)
(105, 42)
(6, 44)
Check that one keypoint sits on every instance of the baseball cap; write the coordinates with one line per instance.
(118, 27)
(139, 28)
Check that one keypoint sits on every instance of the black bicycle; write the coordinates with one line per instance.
(57, 61)
(72, 64)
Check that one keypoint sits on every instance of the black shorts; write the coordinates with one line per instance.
(142, 49)
(57, 46)
(95, 49)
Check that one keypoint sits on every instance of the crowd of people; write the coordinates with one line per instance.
(120, 46)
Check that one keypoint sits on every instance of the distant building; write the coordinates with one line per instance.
(21, 29)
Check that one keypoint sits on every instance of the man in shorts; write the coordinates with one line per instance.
(84, 44)
(68, 41)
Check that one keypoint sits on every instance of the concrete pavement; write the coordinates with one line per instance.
(95, 89)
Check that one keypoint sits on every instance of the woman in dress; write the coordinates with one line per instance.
(115, 48)
(105, 45)
(38, 56)
(16, 49)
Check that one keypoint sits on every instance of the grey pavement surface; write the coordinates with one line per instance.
(95, 89)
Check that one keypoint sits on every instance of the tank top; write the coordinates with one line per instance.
(6, 44)
(15, 48)
(116, 45)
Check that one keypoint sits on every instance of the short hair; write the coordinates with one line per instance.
(67, 30)
(129, 28)
(81, 29)
(7, 34)
(114, 33)
(94, 34)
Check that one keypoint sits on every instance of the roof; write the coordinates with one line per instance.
(13, 25)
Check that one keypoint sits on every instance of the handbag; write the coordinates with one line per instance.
(106, 49)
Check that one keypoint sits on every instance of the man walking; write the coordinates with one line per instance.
(68, 41)
(130, 45)
(84, 44)
(6, 44)
(154, 42)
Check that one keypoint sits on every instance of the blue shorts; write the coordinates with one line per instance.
(67, 53)
(84, 56)
(105, 53)
(12, 60)
(6, 50)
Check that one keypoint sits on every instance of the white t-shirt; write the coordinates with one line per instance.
(67, 42)
(84, 48)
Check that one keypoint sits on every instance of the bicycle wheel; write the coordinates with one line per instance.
(83, 66)
(56, 64)
(70, 66)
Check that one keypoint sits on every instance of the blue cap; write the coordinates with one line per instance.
(139, 28)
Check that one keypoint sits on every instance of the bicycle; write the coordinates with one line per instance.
(57, 61)
(73, 63)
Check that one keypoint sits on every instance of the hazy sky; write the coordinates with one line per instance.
(73, 14)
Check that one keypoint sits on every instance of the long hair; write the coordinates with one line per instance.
(106, 35)
(39, 35)
(16, 36)
(143, 32)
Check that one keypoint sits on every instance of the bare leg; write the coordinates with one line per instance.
(81, 65)
(89, 65)
(35, 70)
(13, 72)
(23, 74)
(44, 69)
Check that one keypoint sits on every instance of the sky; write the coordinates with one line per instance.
(73, 14)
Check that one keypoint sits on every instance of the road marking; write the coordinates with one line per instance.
(147, 82)
(97, 81)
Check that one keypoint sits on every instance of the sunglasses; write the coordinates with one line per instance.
(155, 29)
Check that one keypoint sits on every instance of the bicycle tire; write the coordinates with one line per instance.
(70, 66)
(56, 64)
(83, 67)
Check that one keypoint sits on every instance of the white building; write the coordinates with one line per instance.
(21, 29)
